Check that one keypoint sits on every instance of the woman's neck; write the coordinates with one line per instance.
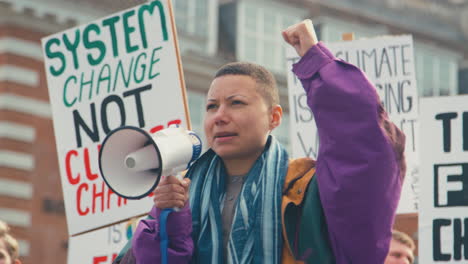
(242, 163)
(239, 166)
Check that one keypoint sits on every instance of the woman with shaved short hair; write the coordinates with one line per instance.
(245, 201)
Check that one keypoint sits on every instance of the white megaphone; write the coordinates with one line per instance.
(132, 161)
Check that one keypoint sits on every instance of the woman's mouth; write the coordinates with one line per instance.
(224, 136)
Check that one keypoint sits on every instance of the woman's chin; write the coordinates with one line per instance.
(226, 153)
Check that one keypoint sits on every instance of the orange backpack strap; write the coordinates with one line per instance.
(300, 172)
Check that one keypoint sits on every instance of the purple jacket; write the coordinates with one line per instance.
(360, 167)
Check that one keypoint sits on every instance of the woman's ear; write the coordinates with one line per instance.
(276, 116)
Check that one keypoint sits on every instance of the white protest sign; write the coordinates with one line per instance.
(443, 214)
(101, 246)
(120, 70)
(389, 64)
(303, 131)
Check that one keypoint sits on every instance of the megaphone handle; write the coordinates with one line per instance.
(179, 176)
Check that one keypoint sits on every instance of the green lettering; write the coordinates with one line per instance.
(153, 61)
(96, 44)
(143, 67)
(84, 83)
(121, 70)
(65, 87)
(72, 47)
(105, 78)
(150, 9)
(110, 22)
(55, 54)
(128, 30)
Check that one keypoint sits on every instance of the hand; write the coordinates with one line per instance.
(171, 192)
(301, 36)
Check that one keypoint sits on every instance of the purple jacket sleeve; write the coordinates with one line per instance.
(146, 241)
(360, 163)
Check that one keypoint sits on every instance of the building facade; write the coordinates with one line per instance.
(211, 33)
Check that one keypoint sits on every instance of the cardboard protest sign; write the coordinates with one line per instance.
(303, 131)
(443, 214)
(120, 70)
(389, 64)
(101, 246)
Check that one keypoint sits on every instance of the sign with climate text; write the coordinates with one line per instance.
(120, 70)
(388, 62)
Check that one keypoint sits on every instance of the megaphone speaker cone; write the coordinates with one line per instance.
(122, 147)
(142, 159)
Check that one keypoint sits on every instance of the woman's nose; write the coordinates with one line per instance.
(221, 115)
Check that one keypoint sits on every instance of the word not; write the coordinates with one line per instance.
(91, 129)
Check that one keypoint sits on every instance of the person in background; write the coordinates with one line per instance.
(401, 249)
(9, 249)
(244, 201)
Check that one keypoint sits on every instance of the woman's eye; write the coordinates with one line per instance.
(210, 106)
(237, 102)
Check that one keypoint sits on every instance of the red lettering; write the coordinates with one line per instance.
(97, 260)
(89, 174)
(102, 259)
(71, 180)
(101, 198)
(156, 129)
(174, 122)
(109, 193)
(161, 127)
(97, 195)
(119, 201)
(78, 199)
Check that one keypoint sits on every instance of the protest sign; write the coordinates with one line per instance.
(443, 215)
(101, 246)
(120, 70)
(389, 64)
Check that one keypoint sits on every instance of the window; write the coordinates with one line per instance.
(181, 10)
(191, 16)
(331, 29)
(259, 29)
(197, 20)
(463, 81)
(436, 71)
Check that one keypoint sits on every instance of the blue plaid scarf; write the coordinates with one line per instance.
(256, 229)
